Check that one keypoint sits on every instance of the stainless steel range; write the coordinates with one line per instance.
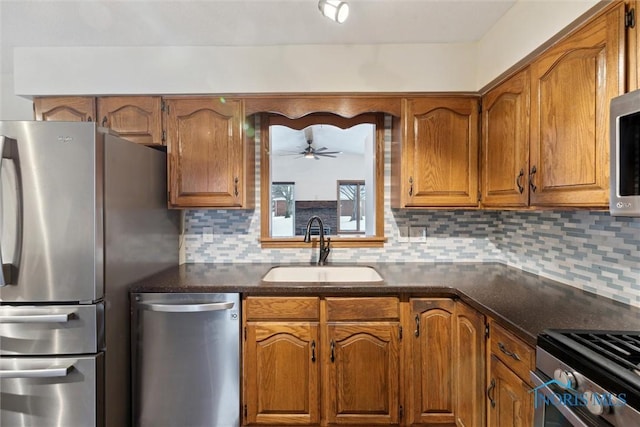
(587, 378)
(82, 215)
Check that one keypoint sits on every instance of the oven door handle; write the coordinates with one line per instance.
(39, 372)
(541, 387)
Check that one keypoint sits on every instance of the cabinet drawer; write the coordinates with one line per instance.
(517, 355)
(278, 308)
(370, 309)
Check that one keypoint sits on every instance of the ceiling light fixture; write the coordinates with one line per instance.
(335, 10)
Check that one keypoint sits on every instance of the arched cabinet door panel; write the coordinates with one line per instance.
(211, 157)
(65, 108)
(282, 373)
(436, 162)
(571, 87)
(136, 118)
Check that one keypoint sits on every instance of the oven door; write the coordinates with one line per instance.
(549, 411)
(47, 391)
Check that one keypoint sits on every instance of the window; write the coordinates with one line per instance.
(351, 207)
(283, 209)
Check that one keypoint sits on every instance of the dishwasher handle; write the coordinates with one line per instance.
(186, 307)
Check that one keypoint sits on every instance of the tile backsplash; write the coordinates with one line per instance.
(589, 250)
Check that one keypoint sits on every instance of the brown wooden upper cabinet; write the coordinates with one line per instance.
(211, 159)
(65, 108)
(545, 130)
(136, 118)
(435, 159)
(571, 86)
(505, 143)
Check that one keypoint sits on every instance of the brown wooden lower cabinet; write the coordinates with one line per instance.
(510, 400)
(284, 384)
(509, 397)
(370, 361)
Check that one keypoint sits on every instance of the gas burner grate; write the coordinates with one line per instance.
(621, 348)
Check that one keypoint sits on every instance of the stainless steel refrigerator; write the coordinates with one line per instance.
(83, 214)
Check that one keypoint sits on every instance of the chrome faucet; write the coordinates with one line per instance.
(324, 250)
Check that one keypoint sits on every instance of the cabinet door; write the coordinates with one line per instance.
(431, 389)
(136, 118)
(509, 402)
(65, 108)
(362, 373)
(206, 151)
(505, 143)
(440, 152)
(572, 85)
(470, 366)
(281, 373)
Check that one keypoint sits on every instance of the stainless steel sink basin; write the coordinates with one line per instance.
(323, 274)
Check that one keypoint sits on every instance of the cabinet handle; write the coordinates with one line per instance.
(410, 186)
(519, 181)
(333, 351)
(489, 390)
(104, 122)
(313, 351)
(503, 349)
(235, 186)
(531, 174)
(417, 331)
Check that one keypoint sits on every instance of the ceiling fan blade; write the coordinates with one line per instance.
(326, 155)
(330, 152)
(321, 149)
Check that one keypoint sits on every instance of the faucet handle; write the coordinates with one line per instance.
(324, 252)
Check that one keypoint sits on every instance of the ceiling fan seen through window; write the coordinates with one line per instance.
(311, 152)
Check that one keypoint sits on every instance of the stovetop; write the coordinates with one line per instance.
(608, 358)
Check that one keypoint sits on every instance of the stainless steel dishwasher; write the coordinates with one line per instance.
(186, 359)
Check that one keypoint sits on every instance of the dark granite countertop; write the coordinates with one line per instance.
(522, 302)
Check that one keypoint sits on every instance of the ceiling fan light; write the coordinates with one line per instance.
(308, 156)
(336, 10)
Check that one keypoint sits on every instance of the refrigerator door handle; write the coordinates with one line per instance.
(51, 371)
(37, 318)
(9, 272)
(187, 307)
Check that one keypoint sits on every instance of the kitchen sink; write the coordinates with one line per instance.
(323, 274)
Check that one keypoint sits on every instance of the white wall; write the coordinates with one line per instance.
(527, 25)
(253, 69)
(316, 179)
(75, 70)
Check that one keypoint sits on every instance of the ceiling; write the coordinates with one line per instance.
(242, 23)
